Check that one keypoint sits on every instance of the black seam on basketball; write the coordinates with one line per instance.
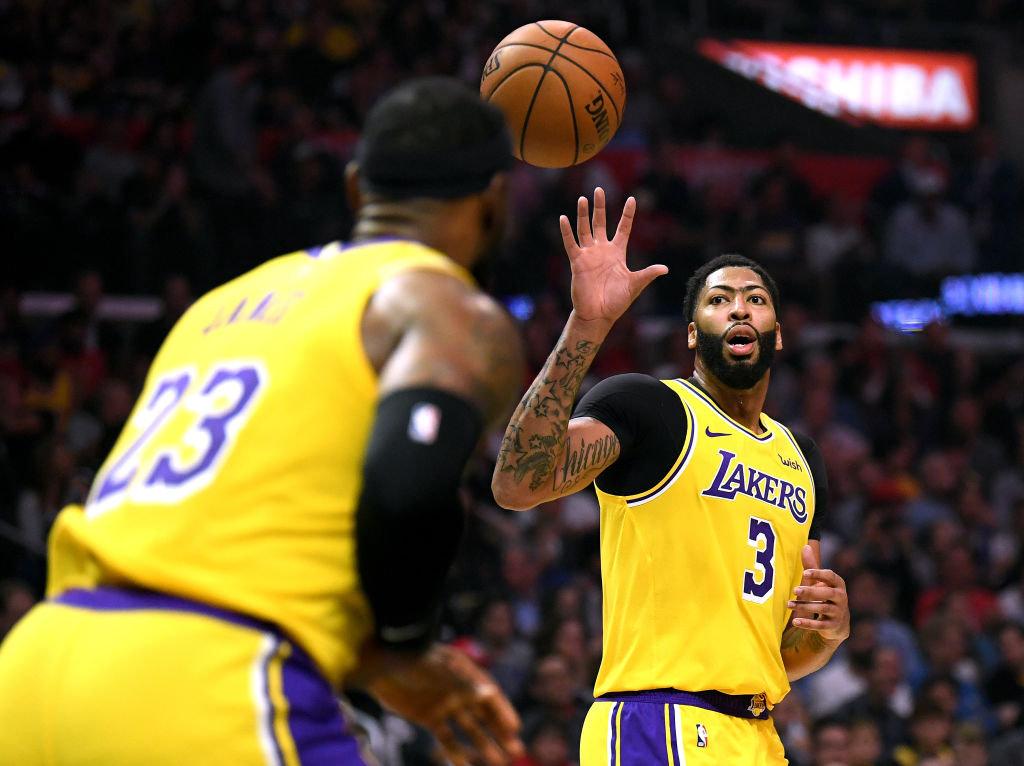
(579, 47)
(508, 74)
(540, 82)
(585, 71)
(572, 114)
(552, 34)
(525, 45)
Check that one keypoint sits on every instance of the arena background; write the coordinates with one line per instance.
(152, 148)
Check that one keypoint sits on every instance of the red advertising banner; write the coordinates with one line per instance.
(897, 88)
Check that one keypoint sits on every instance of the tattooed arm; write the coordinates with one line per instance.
(543, 454)
(821, 617)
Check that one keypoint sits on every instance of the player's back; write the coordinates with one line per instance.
(236, 479)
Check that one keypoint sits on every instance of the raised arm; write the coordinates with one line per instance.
(544, 454)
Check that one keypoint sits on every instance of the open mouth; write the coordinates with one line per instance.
(741, 340)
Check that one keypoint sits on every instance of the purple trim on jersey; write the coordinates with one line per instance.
(768, 434)
(314, 252)
(319, 730)
(738, 705)
(107, 599)
(691, 439)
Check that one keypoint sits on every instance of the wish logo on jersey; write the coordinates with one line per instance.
(734, 477)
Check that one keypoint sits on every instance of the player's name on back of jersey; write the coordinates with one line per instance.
(266, 309)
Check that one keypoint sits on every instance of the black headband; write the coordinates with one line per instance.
(457, 172)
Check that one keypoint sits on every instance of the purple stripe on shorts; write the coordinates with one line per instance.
(641, 735)
(265, 676)
(317, 726)
(674, 743)
(613, 723)
(739, 705)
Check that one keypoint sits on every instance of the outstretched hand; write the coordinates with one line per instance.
(445, 691)
(603, 287)
(821, 602)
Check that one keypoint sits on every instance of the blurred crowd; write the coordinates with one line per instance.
(161, 146)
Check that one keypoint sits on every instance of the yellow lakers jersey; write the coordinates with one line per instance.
(697, 571)
(236, 478)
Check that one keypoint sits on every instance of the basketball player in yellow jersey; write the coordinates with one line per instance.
(714, 599)
(277, 519)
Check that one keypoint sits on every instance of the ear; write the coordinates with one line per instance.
(353, 194)
(691, 335)
(778, 336)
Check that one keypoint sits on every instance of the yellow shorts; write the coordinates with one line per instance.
(654, 729)
(111, 677)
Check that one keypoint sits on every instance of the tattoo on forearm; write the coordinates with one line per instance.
(799, 640)
(580, 457)
(542, 421)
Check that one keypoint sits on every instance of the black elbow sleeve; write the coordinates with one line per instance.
(409, 519)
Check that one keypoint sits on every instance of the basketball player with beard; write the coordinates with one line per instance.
(714, 599)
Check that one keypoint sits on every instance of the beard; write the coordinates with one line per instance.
(742, 374)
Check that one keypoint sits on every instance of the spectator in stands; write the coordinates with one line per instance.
(831, 739)
(866, 744)
(231, 182)
(546, 745)
(989, 188)
(930, 729)
(928, 238)
(1004, 686)
(958, 579)
(887, 700)
(554, 697)
(506, 655)
(16, 598)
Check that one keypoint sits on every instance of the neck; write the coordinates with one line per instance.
(742, 405)
(430, 222)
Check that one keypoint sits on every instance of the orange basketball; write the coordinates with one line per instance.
(561, 89)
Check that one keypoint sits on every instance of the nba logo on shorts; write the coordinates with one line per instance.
(702, 736)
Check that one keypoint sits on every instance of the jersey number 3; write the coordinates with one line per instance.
(759, 583)
(220, 405)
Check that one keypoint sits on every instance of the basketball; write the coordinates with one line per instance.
(561, 89)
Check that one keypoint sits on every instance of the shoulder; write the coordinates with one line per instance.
(629, 384)
(815, 460)
(422, 292)
(632, 399)
(806, 444)
(447, 323)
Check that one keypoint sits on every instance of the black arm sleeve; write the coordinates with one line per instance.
(816, 464)
(649, 421)
(409, 519)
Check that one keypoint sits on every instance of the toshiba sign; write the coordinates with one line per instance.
(897, 88)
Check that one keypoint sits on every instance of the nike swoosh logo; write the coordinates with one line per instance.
(712, 434)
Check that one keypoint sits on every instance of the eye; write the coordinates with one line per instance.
(716, 299)
(757, 298)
